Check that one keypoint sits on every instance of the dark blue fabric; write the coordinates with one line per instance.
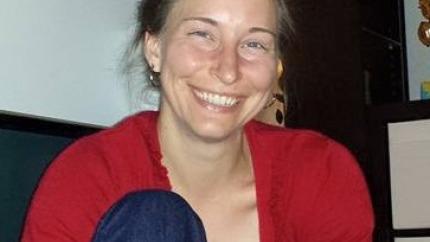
(150, 216)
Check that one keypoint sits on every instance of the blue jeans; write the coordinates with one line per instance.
(150, 216)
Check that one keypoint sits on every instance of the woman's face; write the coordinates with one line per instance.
(217, 60)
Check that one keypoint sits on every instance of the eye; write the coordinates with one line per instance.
(255, 45)
(200, 33)
(201, 37)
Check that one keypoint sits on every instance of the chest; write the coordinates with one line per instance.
(233, 219)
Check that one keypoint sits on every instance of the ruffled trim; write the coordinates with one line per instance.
(148, 126)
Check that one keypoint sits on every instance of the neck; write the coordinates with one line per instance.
(197, 165)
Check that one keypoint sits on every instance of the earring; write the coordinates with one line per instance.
(153, 76)
(275, 97)
(279, 116)
(279, 97)
(270, 102)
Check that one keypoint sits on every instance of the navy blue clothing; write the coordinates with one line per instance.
(150, 216)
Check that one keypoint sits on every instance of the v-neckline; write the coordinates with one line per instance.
(260, 166)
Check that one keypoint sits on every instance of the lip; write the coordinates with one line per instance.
(214, 107)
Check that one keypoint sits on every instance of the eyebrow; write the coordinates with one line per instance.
(264, 30)
(215, 23)
(202, 19)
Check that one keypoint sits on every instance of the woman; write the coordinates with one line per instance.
(216, 62)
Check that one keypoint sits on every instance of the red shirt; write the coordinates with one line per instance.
(309, 188)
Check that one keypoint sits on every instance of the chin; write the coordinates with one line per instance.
(215, 132)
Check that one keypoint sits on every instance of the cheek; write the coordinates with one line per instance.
(262, 75)
(181, 60)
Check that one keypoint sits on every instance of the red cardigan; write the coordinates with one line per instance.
(309, 188)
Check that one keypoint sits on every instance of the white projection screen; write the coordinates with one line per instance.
(60, 59)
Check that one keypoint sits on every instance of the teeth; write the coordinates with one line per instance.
(216, 99)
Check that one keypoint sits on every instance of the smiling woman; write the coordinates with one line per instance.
(222, 176)
(209, 53)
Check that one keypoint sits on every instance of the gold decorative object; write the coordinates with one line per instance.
(424, 28)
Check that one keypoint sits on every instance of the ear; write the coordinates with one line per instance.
(152, 51)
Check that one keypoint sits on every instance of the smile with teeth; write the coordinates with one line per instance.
(216, 99)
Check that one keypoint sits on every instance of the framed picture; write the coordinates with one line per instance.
(417, 47)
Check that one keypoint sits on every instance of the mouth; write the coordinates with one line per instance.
(217, 99)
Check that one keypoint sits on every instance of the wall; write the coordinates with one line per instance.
(418, 55)
(324, 85)
(59, 58)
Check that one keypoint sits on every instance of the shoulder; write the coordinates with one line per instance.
(93, 158)
(306, 156)
(130, 133)
(285, 135)
(130, 129)
(316, 185)
(300, 143)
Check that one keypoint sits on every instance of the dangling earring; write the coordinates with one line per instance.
(275, 97)
(153, 76)
(270, 102)
(279, 114)
(272, 112)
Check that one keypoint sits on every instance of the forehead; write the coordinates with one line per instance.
(255, 13)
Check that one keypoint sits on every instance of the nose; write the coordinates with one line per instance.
(227, 66)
